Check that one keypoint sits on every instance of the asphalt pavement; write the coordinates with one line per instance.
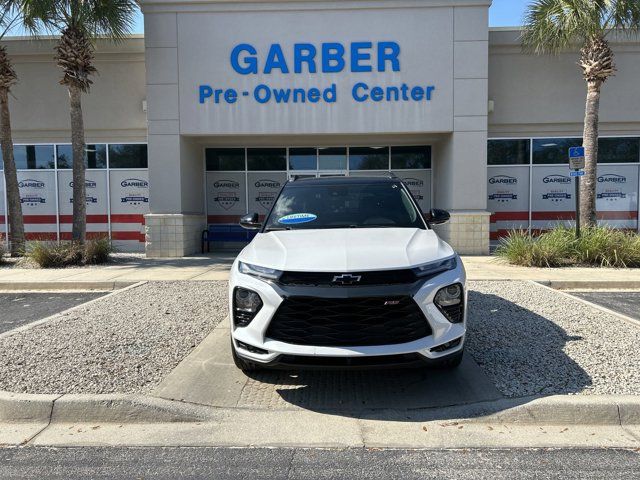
(625, 302)
(352, 464)
(25, 307)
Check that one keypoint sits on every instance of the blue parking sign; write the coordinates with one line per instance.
(576, 152)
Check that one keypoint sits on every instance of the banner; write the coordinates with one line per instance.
(617, 195)
(3, 211)
(263, 190)
(553, 198)
(226, 196)
(38, 200)
(96, 187)
(508, 199)
(129, 192)
(419, 182)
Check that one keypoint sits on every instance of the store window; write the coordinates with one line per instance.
(33, 157)
(553, 151)
(508, 152)
(332, 158)
(263, 159)
(128, 156)
(225, 159)
(369, 158)
(95, 156)
(303, 158)
(414, 157)
(619, 150)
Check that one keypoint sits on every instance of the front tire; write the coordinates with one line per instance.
(244, 365)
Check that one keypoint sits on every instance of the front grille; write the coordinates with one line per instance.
(384, 277)
(348, 322)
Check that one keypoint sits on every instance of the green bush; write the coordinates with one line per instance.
(607, 247)
(598, 246)
(69, 254)
(2, 253)
(97, 251)
(55, 255)
(548, 250)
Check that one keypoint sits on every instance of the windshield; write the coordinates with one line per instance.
(351, 205)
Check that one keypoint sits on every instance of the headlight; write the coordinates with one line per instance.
(450, 302)
(448, 296)
(246, 304)
(433, 268)
(257, 271)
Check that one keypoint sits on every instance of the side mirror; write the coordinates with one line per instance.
(437, 216)
(251, 222)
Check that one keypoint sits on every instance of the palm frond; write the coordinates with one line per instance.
(551, 26)
(623, 15)
(112, 18)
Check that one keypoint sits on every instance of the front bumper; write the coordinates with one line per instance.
(279, 354)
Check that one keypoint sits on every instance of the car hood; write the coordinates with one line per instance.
(344, 250)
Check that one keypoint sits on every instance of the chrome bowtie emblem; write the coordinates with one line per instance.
(346, 279)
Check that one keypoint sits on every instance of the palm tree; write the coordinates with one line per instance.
(9, 17)
(552, 26)
(80, 22)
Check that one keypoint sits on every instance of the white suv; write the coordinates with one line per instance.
(346, 272)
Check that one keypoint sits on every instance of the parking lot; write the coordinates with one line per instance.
(624, 302)
(19, 309)
(171, 339)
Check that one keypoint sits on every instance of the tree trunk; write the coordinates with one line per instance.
(14, 206)
(77, 145)
(590, 143)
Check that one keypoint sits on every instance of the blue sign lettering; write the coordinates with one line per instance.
(327, 57)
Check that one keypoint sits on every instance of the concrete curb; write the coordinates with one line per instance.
(611, 410)
(64, 285)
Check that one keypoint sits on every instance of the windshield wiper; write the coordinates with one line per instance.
(276, 229)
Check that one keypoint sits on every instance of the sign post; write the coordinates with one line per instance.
(576, 165)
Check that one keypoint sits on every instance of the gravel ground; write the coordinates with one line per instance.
(532, 341)
(124, 343)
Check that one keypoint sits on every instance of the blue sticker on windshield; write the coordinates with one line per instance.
(295, 218)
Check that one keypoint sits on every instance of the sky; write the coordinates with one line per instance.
(503, 13)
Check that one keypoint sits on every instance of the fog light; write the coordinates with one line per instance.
(246, 304)
(449, 301)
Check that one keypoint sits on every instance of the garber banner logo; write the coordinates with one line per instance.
(226, 184)
(413, 182)
(134, 182)
(31, 183)
(267, 198)
(503, 179)
(556, 179)
(612, 178)
(87, 184)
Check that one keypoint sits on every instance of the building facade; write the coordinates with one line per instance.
(221, 102)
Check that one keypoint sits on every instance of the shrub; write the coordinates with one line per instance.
(607, 247)
(599, 246)
(68, 254)
(2, 253)
(55, 255)
(97, 251)
(548, 250)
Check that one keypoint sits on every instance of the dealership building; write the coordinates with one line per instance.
(203, 119)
